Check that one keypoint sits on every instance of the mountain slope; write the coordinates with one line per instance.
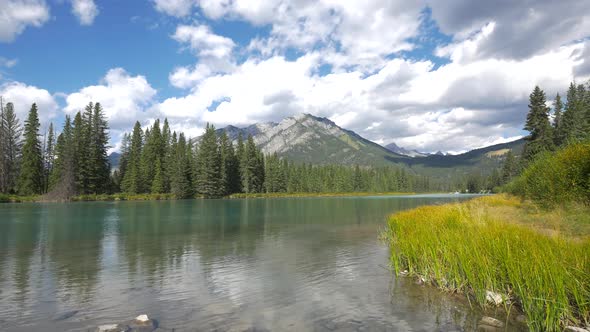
(310, 139)
(403, 151)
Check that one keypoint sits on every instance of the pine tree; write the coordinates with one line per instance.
(209, 161)
(573, 116)
(11, 147)
(537, 123)
(48, 157)
(510, 167)
(559, 135)
(132, 180)
(62, 182)
(241, 159)
(31, 172)
(181, 185)
(253, 161)
(167, 155)
(98, 161)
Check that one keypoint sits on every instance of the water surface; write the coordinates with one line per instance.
(296, 264)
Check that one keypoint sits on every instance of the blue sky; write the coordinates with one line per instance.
(423, 74)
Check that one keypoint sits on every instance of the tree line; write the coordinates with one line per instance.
(159, 161)
(550, 129)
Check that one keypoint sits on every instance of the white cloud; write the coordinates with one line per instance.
(458, 106)
(123, 97)
(7, 63)
(522, 28)
(178, 8)
(23, 96)
(16, 15)
(85, 10)
(213, 51)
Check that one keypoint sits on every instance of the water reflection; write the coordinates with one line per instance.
(276, 264)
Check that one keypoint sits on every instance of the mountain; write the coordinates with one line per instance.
(403, 151)
(482, 160)
(114, 160)
(311, 139)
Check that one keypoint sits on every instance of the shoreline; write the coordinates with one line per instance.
(161, 197)
(500, 251)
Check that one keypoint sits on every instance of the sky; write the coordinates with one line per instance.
(429, 75)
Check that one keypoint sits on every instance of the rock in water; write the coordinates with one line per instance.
(489, 321)
(112, 328)
(143, 323)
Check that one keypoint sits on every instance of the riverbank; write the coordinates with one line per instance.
(160, 197)
(500, 249)
(293, 195)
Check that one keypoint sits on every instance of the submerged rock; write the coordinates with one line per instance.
(112, 328)
(65, 315)
(490, 321)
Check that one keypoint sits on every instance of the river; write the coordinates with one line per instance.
(284, 264)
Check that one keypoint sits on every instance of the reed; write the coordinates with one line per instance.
(539, 262)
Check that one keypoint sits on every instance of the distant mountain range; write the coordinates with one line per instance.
(311, 139)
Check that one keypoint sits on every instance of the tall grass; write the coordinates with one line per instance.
(472, 248)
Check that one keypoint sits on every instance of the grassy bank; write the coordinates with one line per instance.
(538, 260)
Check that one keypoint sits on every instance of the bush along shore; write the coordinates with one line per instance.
(501, 251)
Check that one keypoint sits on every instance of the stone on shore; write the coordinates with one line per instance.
(575, 329)
(494, 298)
(489, 321)
(143, 323)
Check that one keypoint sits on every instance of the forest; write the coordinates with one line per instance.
(155, 160)
(158, 161)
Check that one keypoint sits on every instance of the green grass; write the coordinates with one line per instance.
(123, 197)
(539, 260)
(4, 198)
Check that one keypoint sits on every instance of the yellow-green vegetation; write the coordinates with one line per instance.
(344, 194)
(554, 178)
(539, 260)
(4, 198)
(123, 197)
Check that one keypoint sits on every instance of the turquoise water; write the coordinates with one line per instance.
(297, 264)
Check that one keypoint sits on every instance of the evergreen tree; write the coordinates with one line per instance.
(62, 182)
(31, 172)
(559, 135)
(241, 159)
(573, 116)
(167, 155)
(180, 183)
(226, 160)
(10, 148)
(510, 167)
(209, 161)
(253, 168)
(48, 157)
(132, 180)
(98, 160)
(537, 123)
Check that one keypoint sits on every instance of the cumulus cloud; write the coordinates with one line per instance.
(454, 107)
(123, 97)
(85, 10)
(17, 15)
(521, 28)
(178, 8)
(23, 96)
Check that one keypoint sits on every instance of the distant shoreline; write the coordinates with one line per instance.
(167, 197)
